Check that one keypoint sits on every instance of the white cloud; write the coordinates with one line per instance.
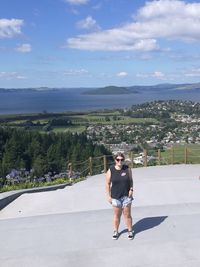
(156, 74)
(76, 72)
(20, 77)
(142, 75)
(167, 19)
(10, 28)
(122, 74)
(98, 6)
(77, 2)
(193, 73)
(11, 75)
(111, 42)
(74, 11)
(24, 48)
(88, 23)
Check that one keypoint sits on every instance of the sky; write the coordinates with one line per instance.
(94, 43)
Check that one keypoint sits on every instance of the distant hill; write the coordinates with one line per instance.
(188, 87)
(21, 90)
(167, 87)
(110, 90)
(116, 90)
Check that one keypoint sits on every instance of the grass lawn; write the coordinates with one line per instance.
(101, 119)
(16, 122)
(73, 129)
(178, 154)
(79, 120)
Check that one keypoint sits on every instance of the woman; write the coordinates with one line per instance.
(119, 189)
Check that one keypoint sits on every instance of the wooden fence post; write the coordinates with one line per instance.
(186, 155)
(159, 156)
(145, 158)
(90, 165)
(131, 159)
(172, 155)
(70, 170)
(105, 163)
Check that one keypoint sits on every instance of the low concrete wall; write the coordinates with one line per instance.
(7, 197)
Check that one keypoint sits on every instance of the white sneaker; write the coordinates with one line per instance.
(115, 235)
(130, 235)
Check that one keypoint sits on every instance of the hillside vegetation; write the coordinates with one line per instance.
(39, 153)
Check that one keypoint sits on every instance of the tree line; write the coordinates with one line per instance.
(41, 153)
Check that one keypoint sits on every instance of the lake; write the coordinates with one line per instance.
(74, 100)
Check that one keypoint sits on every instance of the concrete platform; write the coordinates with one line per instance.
(73, 226)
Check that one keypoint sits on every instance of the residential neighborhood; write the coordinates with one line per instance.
(178, 122)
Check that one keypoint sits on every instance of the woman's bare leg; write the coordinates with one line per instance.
(128, 217)
(117, 212)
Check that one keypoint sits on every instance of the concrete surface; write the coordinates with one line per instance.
(7, 197)
(73, 226)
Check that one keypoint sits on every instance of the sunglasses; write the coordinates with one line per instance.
(119, 160)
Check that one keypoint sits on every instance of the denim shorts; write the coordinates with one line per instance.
(122, 202)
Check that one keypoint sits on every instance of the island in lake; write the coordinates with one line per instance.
(110, 90)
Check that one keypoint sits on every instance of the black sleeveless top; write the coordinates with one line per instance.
(120, 182)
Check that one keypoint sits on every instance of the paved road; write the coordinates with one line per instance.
(73, 227)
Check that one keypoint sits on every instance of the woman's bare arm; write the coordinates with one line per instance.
(108, 185)
(131, 182)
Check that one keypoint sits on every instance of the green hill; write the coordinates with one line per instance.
(109, 90)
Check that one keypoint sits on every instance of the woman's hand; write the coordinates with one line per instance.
(130, 194)
(110, 200)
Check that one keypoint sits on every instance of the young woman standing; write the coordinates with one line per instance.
(119, 189)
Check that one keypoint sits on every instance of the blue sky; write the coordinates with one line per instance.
(92, 43)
